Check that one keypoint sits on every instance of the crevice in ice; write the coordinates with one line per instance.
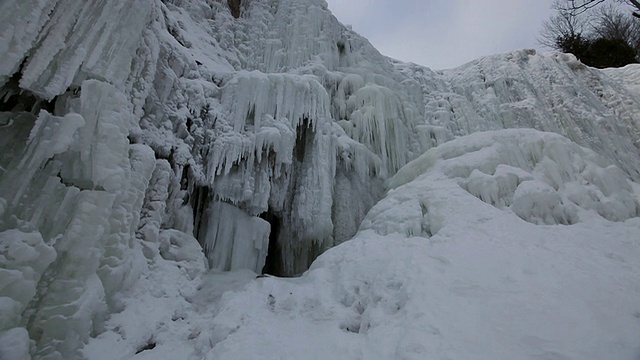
(304, 132)
(234, 6)
(341, 48)
(176, 33)
(273, 264)
(81, 184)
(200, 198)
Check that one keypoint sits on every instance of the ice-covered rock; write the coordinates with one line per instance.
(74, 187)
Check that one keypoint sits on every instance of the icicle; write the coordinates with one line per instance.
(375, 120)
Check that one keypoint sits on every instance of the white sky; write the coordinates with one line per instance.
(444, 33)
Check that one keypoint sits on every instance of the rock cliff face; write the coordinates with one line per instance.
(139, 131)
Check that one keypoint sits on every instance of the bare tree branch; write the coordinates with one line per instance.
(580, 6)
(613, 23)
(563, 25)
(607, 37)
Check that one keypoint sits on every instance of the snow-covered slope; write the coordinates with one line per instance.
(145, 142)
(629, 76)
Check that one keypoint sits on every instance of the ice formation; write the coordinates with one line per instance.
(140, 136)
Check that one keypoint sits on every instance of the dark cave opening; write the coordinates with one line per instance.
(234, 6)
(304, 137)
(341, 48)
(15, 99)
(273, 264)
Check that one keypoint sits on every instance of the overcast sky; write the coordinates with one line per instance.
(444, 33)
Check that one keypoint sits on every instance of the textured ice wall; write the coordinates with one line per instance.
(73, 192)
(129, 129)
(73, 184)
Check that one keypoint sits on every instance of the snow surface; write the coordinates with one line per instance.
(148, 144)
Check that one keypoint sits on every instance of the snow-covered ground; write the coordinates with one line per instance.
(156, 155)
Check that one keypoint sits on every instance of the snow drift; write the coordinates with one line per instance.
(145, 142)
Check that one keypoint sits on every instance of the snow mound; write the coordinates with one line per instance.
(542, 177)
